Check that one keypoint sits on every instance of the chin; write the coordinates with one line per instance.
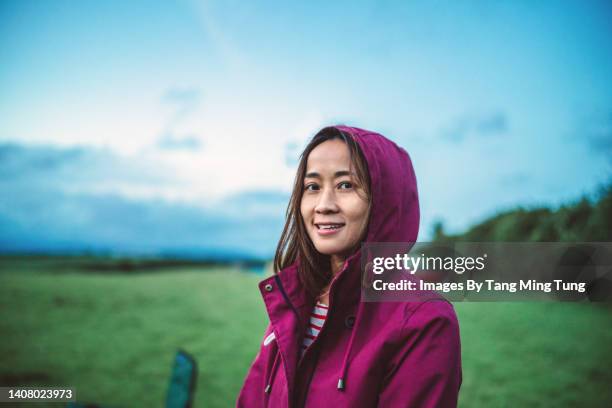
(329, 248)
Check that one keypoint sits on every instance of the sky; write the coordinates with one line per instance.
(148, 126)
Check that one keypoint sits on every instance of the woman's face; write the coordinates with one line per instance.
(334, 206)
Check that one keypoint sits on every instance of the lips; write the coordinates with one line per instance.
(328, 228)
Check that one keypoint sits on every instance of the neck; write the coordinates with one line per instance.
(336, 264)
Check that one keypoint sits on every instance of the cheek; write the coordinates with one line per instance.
(305, 210)
(359, 221)
(358, 212)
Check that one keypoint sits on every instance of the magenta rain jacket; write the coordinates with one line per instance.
(368, 354)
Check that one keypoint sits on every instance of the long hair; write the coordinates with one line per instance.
(294, 244)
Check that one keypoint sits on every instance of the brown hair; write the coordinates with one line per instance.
(314, 268)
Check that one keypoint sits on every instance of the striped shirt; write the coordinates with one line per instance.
(317, 318)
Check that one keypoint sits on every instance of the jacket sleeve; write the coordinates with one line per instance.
(426, 371)
(251, 394)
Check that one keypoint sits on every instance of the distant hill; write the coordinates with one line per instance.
(581, 221)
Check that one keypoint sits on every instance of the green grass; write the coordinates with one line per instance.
(535, 354)
(113, 338)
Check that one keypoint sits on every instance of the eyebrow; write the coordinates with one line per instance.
(341, 173)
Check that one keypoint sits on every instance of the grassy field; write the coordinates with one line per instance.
(113, 336)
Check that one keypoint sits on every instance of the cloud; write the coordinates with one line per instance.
(515, 179)
(78, 169)
(490, 125)
(292, 153)
(597, 133)
(184, 102)
(494, 124)
(17, 160)
(79, 198)
(218, 33)
(48, 220)
(255, 203)
(456, 132)
(188, 142)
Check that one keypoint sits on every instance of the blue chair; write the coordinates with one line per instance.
(182, 384)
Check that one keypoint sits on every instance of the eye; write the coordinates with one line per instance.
(311, 187)
(345, 185)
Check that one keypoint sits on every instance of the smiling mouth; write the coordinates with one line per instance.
(329, 226)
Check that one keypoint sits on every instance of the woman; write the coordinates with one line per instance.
(323, 346)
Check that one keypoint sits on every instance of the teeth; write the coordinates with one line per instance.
(329, 227)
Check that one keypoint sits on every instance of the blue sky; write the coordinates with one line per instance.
(145, 125)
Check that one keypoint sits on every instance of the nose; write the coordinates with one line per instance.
(327, 202)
